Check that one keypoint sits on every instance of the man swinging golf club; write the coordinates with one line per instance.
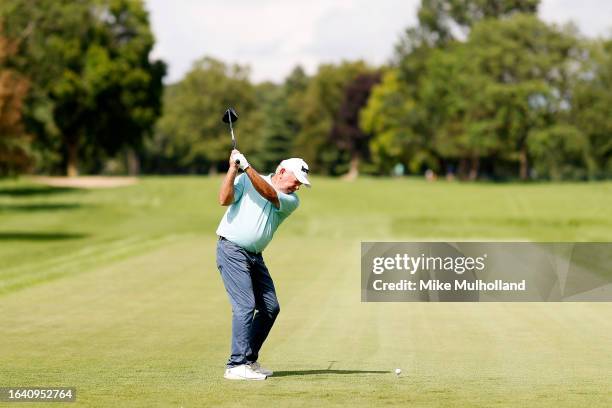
(257, 206)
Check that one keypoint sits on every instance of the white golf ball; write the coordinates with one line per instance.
(398, 371)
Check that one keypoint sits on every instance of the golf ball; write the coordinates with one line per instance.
(398, 371)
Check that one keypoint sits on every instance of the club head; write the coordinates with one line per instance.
(230, 113)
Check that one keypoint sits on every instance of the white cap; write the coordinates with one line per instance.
(298, 167)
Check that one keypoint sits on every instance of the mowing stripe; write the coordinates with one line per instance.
(80, 264)
(82, 253)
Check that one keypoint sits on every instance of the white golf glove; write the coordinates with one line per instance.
(244, 164)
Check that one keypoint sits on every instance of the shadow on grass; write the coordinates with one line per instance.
(39, 207)
(39, 236)
(324, 372)
(30, 191)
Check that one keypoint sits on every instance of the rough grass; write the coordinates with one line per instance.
(116, 292)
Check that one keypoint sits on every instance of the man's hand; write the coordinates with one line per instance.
(226, 193)
(226, 196)
(243, 163)
(233, 157)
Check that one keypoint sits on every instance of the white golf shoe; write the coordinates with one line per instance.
(243, 372)
(258, 368)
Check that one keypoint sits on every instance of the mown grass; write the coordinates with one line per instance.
(116, 292)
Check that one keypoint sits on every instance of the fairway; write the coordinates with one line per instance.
(116, 292)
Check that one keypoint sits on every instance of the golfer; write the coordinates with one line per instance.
(257, 206)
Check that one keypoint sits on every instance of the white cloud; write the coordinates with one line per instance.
(273, 36)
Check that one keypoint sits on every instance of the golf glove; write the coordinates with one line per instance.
(244, 164)
(234, 156)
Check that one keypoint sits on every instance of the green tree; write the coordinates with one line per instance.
(413, 135)
(523, 68)
(281, 111)
(277, 132)
(190, 136)
(483, 98)
(591, 102)
(93, 85)
(441, 21)
(560, 151)
(457, 111)
(320, 107)
(396, 122)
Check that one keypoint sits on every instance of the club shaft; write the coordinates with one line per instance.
(233, 138)
(232, 132)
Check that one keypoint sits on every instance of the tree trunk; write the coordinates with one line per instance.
(132, 161)
(474, 166)
(72, 158)
(353, 172)
(524, 170)
(462, 170)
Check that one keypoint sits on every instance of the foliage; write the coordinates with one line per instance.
(392, 116)
(93, 85)
(591, 104)
(281, 111)
(478, 103)
(441, 21)
(346, 134)
(480, 88)
(320, 108)
(190, 136)
(15, 154)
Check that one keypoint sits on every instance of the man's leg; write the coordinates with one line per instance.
(266, 304)
(233, 265)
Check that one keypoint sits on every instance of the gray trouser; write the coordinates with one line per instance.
(251, 292)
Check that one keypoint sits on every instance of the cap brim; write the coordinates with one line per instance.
(302, 179)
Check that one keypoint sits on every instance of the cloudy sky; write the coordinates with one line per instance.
(273, 36)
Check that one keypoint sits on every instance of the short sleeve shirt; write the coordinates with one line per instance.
(251, 220)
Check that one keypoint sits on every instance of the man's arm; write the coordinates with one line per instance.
(226, 193)
(263, 187)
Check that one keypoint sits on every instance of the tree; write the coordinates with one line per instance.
(281, 110)
(346, 133)
(482, 98)
(591, 102)
(397, 124)
(408, 128)
(441, 21)
(560, 151)
(457, 110)
(320, 108)
(93, 85)
(15, 154)
(522, 67)
(190, 136)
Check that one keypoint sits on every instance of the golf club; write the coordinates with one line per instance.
(230, 116)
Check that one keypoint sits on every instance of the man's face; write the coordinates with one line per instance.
(287, 182)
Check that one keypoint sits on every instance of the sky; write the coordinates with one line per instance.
(273, 36)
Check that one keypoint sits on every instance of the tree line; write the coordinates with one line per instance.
(88, 87)
(476, 89)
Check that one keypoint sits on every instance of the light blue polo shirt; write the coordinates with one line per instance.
(251, 220)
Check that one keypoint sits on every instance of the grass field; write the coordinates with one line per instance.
(116, 292)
